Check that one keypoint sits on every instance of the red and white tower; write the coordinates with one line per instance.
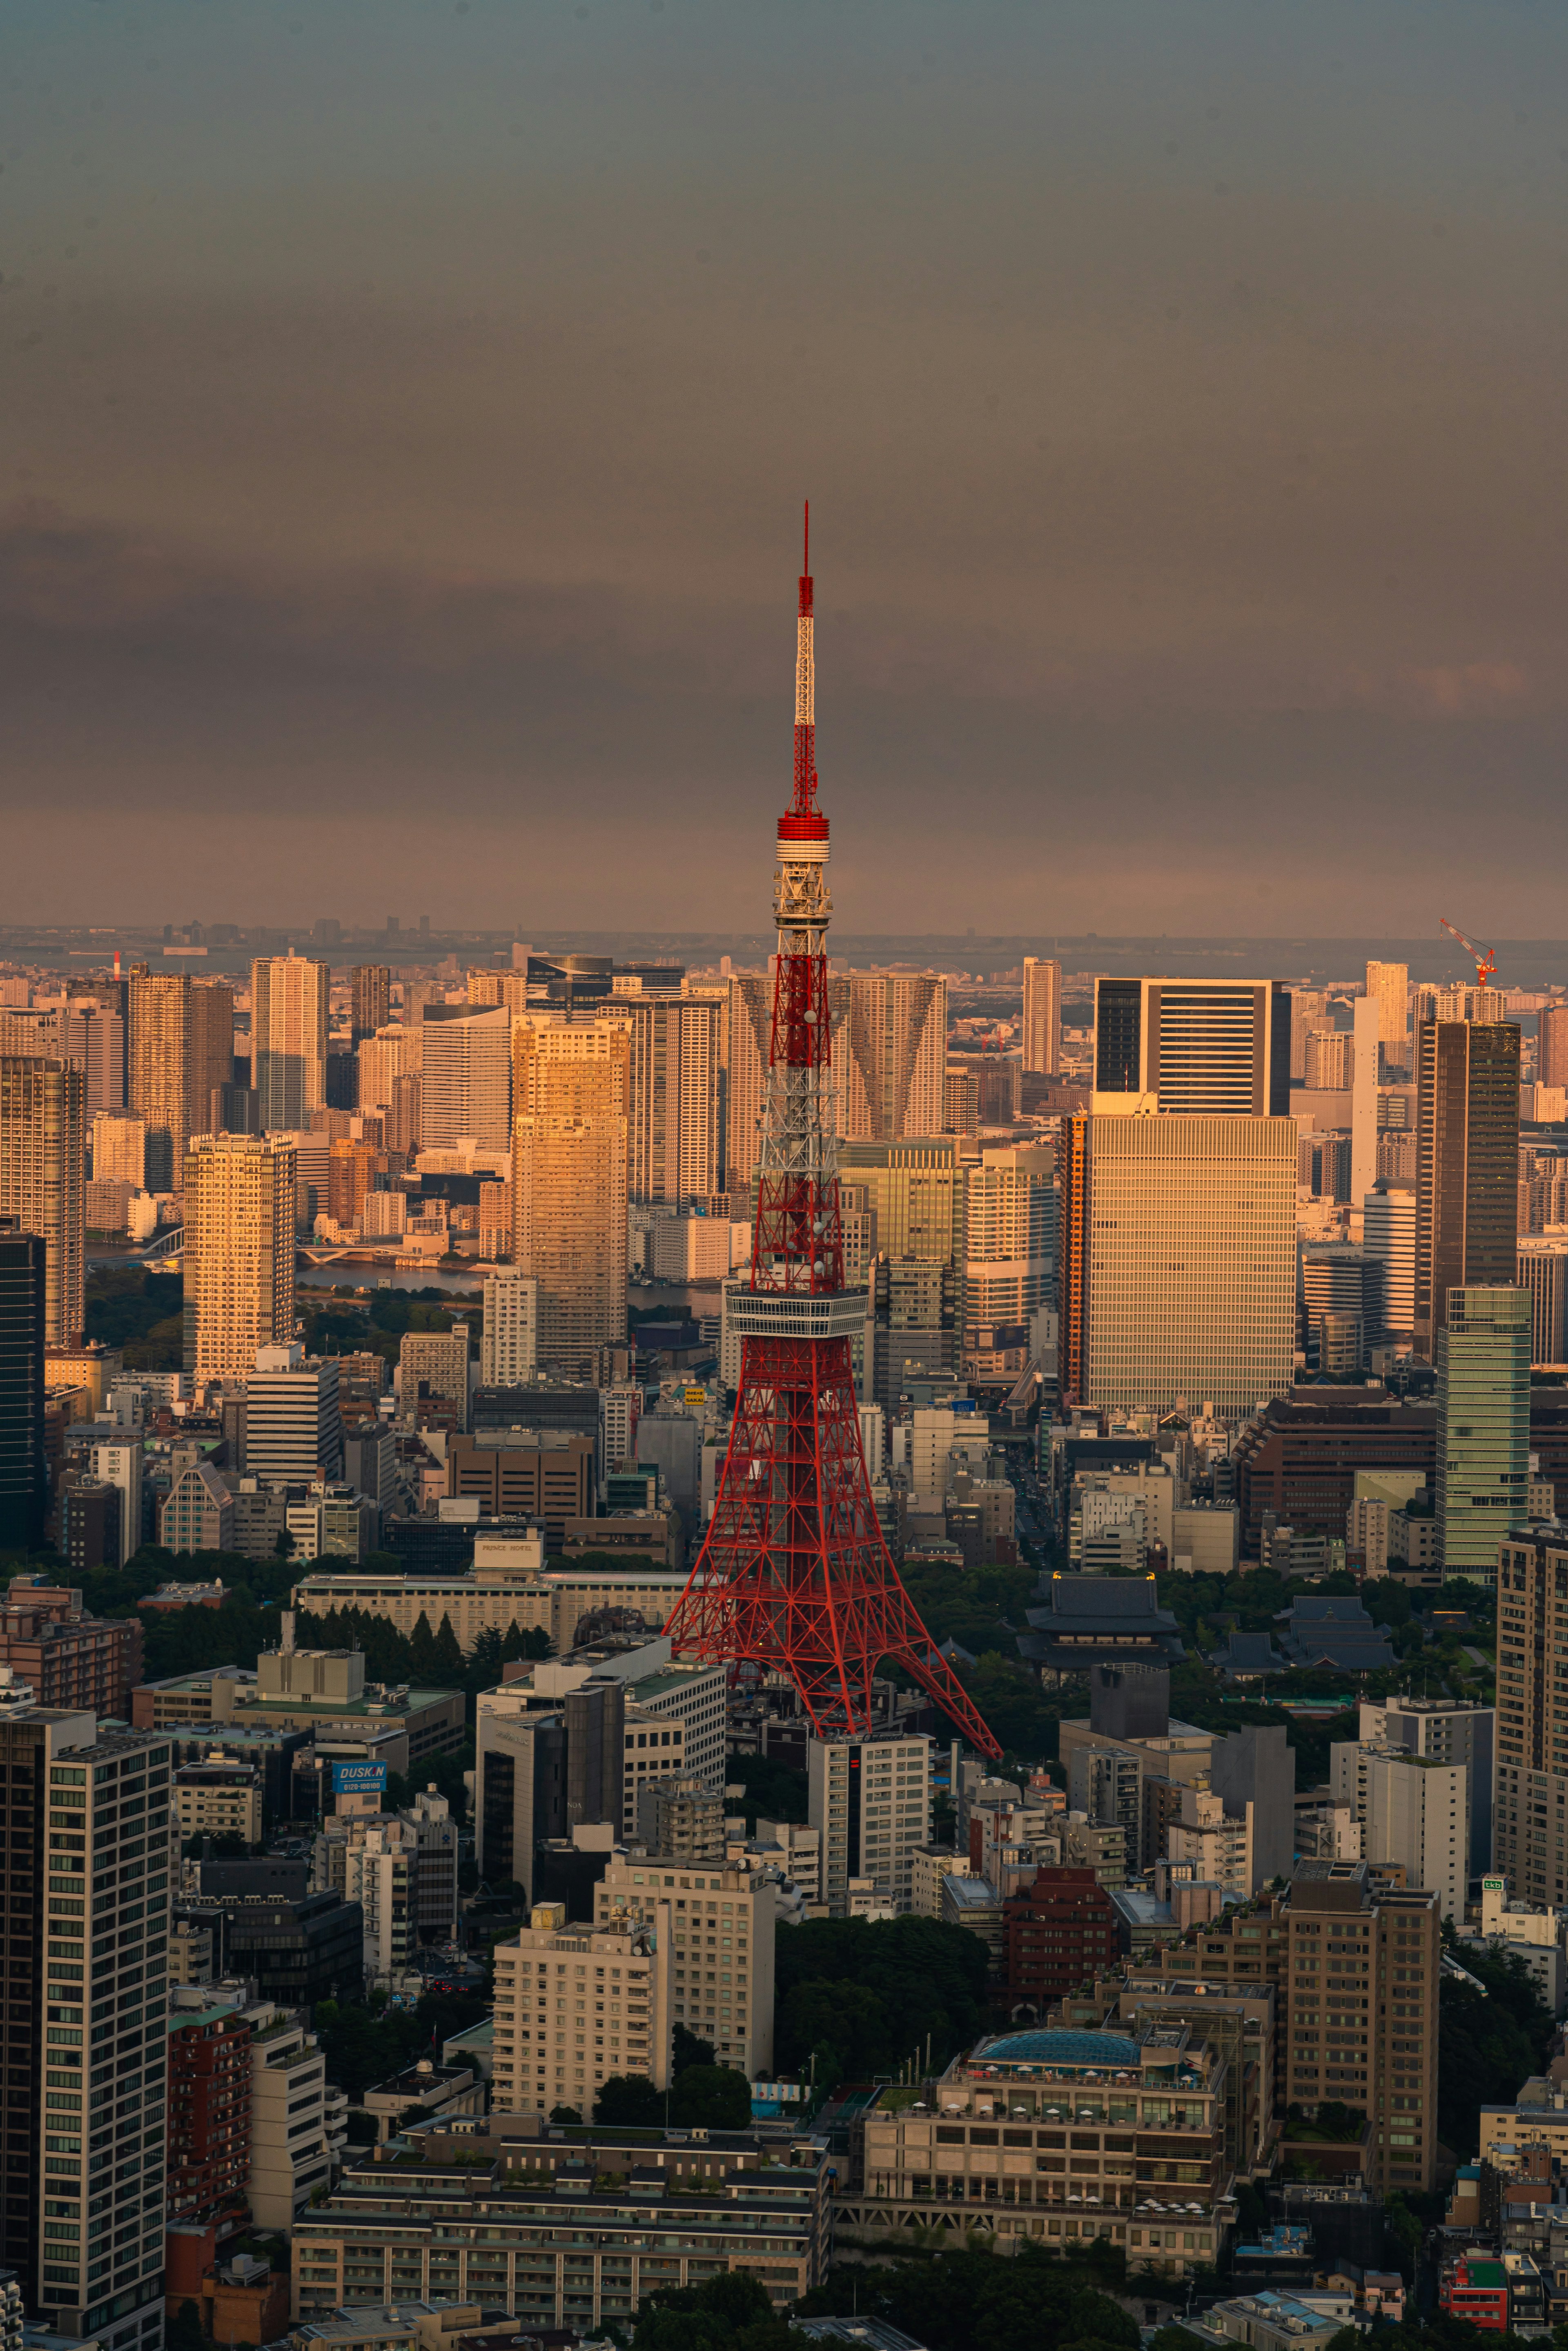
(795, 1575)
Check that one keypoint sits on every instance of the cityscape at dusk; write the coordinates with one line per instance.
(783, 1177)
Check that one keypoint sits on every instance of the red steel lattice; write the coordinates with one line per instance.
(795, 1576)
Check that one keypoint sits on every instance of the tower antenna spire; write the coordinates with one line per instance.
(795, 1576)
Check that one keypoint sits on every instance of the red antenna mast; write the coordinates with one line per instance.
(795, 1576)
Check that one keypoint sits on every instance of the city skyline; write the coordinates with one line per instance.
(408, 436)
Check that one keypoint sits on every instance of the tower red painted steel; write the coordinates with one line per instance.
(795, 1576)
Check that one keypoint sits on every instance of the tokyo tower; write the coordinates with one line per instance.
(795, 1576)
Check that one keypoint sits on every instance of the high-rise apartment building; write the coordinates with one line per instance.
(1466, 1164)
(1190, 1278)
(1530, 1834)
(24, 1467)
(120, 1150)
(1010, 1235)
(676, 1052)
(1483, 1426)
(1358, 1981)
(466, 1072)
(293, 1423)
(1309, 1010)
(1389, 1239)
(1390, 984)
(158, 1066)
(94, 1035)
(391, 1053)
(569, 1180)
(1186, 1046)
(211, 1066)
(890, 1080)
(1552, 1046)
(43, 1179)
(370, 998)
(717, 1925)
(1042, 1013)
(239, 1251)
(508, 1345)
(95, 2260)
(870, 1800)
(120, 1462)
(1330, 1059)
(288, 1004)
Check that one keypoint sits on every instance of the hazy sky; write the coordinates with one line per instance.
(409, 404)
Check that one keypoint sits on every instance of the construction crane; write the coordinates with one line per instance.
(1486, 961)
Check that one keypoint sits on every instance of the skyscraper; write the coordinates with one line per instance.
(1191, 1276)
(371, 985)
(1483, 1426)
(1466, 1164)
(1215, 1045)
(1041, 1014)
(103, 1803)
(676, 1093)
(466, 1089)
(1010, 1235)
(212, 1061)
(570, 1091)
(158, 1058)
(120, 1150)
(1543, 1272)
(1529, 1835)
(1390, 984)
(289, 1037)
(890, 1081)
(1072, 1252)
(239, 1251)
(1309, 1010)
(914, 1193)
(23, 1472)
(1388, 1237)
(393, 1051)
(94, 1035)
(42, 1176)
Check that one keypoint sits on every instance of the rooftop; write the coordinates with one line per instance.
(1116, 2049)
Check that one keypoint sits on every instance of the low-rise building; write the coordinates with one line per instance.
(1475, 2288)
(1272, 2322)
(289, 2157)
(1064, 2136)
(556, 2241)
(303, 1689)
(78, 1663)
(219, 1798)
(424, 2095)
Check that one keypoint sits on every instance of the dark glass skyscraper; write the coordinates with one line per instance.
(1467, 1165)
(23, 1478)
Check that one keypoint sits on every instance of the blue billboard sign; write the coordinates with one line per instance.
(359, 1779)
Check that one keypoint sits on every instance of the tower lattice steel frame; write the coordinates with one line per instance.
(795, 1576)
